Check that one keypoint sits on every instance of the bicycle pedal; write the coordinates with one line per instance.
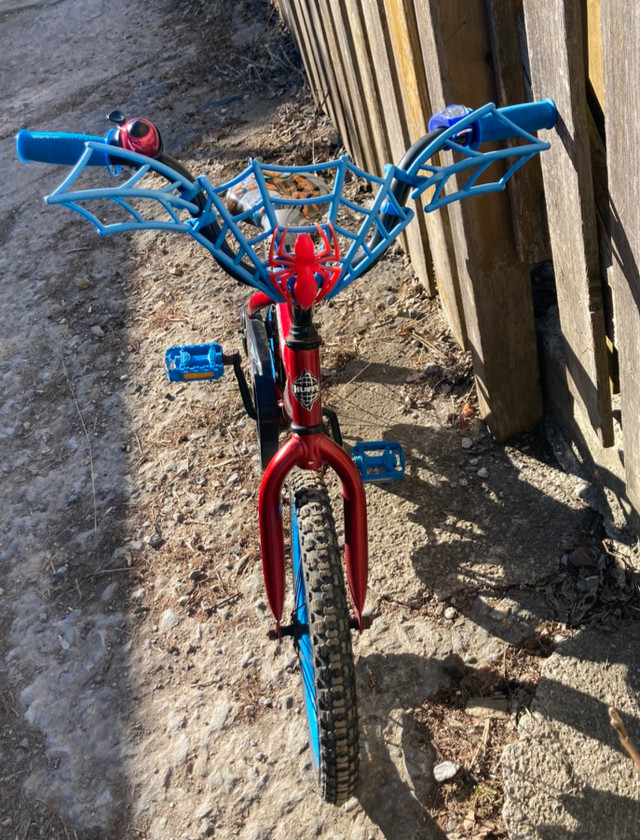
(380, 460)
(192, 362)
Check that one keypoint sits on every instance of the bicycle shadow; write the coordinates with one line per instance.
(396, 764)
(397, 760)
(501, 537)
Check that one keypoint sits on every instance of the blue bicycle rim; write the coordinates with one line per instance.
(305, 651)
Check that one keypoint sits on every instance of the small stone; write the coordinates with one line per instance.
(109, 592)
(413, 378)
(483, 472)
(450, 613)
(135, 545)
(155, 540)
(391, 299)
(83, 283)
(137, 595)
(487, 707)
(463, 482)
(97, 330)
(466, 443)
(169, 620)
(445, 771)
(234, 478)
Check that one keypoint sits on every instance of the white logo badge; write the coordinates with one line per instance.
(306, 389)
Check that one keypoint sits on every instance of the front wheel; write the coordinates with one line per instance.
(323, 639)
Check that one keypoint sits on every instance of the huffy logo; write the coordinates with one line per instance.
(306, 389)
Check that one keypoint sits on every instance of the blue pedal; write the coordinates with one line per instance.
(194, 361)
(380, 460)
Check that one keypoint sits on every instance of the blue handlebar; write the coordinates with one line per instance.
(530, 116)
(58, 147)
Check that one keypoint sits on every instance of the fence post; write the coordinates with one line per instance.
(555, 39)
(508, 47)
(495, 283)
(620, 38)
(405, 47)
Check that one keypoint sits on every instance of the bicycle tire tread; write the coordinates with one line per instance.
(330, 634)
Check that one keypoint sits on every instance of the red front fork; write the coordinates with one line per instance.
(308, 448)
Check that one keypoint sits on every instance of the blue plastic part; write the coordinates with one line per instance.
(305, 651)
(242, 248)
(237, 246)
(357, 257)
(380, 460)
(194, 362)
(471, 163)
(529, 117)
(61, 148)
(448, 116)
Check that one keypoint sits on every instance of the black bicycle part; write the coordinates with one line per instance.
(263, 381)
(334, 425)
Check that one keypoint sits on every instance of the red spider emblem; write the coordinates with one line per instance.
(305, 276)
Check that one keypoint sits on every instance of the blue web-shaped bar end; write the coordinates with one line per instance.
(462, 178)
(173, 197)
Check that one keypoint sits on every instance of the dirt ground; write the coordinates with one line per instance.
(140, 695)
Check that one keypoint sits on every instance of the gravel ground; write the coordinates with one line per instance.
(140, 695)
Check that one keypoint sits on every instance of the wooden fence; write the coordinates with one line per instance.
(380, 68)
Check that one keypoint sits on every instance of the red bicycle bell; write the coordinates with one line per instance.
(137, 135)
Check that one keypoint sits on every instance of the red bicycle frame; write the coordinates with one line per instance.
(310, 449)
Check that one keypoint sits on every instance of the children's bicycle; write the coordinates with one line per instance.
(297, 236)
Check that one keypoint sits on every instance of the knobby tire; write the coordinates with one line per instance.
(323, 639)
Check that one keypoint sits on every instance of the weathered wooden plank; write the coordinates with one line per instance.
(621, 65)
(495, 284)
(405, 45)
(348, 30)
(525, 190)
(557, 69)
(356, 134)
(593, 38)
(363, 59)
(297, 26)
(331, 66)
(314, 64)
(396, 128)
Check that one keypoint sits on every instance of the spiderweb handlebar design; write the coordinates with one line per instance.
(366, 229)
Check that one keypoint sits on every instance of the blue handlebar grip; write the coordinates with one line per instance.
(58, 147)
(530, 116)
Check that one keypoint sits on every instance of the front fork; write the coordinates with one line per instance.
(310, 449)
(310, 452)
